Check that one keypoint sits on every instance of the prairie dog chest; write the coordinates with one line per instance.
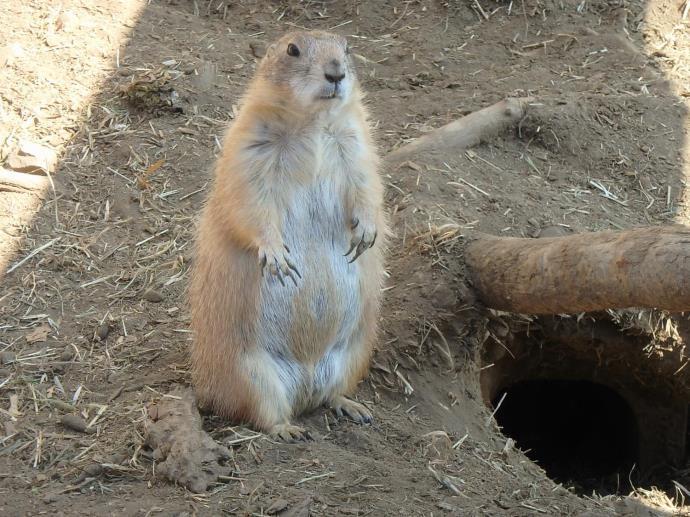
(320, 202)
(341, 145)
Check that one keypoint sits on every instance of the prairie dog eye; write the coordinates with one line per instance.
(292, 50)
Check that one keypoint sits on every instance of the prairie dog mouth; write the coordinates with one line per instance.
(333, 92)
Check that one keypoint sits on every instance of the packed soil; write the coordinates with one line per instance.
(135, 95)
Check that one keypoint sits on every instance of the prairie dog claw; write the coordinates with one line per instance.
(356, 411)
(361, 240)
(278, 264)
(289, 433)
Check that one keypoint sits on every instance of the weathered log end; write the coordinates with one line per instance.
(644, 267)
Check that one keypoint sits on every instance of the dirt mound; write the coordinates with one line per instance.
(135, 97)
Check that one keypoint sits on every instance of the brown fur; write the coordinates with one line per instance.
(273, 152)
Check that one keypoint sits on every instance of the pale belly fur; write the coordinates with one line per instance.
(305, 331)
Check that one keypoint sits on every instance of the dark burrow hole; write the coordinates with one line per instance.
(582, 434)
(590, 405)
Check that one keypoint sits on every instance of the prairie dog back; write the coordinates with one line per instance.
(289, 257)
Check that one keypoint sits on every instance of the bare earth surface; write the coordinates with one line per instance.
(134, 97)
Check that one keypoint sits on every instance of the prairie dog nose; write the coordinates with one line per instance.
(334, 72)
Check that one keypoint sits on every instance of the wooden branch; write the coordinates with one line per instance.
(645, 267)
(467, 131)
(20, 182)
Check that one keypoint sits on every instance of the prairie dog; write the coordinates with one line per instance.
(289, 255)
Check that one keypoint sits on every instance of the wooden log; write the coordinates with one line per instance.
(641, 268)
(21, 182)
(467, 131)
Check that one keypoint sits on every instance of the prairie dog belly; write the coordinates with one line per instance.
(305, 329)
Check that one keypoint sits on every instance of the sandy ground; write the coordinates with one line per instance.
(94, 323)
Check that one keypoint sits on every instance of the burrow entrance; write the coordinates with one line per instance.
(582, 434)
(589, 404)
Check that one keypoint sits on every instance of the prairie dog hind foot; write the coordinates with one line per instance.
(289, 433)
(356, 411)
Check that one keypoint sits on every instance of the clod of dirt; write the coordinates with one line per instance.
(50, 498)
(32, 158)
(437, 445)
(301, 509)
(552, 231)
(185, 453)
(102, 331)
(152, 92)
(38, 335)
(76, 423)
(93, 470)
(9, 53)
(277, 506)
(153, 296)
(7, 357)
(67, 354)
(258, 50)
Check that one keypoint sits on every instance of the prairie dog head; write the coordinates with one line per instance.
(312, 69)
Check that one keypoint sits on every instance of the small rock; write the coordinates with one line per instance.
(443, 297)
(301, 509)
(32, 158)
(552, 231)
(50, 498)
(438, 445)
(61, 405)
(277, 506)
(258, 50)
(9, 53)
(7, 357)
(102, 331)
(152, 412)
(39, 334)
(10, 428)
(76, 423)
(67, 354)
(153, 296)
(67, 21)
(92, 470)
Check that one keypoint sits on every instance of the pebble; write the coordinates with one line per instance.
(67, 354)
(258, 50)
(50, 498)
(277, 506)
(102, 331)
(32, 158)
(76, 423)
(7, 357)
(90, 471)
(153, 296)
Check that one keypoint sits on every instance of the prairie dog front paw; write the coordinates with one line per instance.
(363, 235)
(277, 261)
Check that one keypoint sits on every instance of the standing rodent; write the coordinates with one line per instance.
(288, 270)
